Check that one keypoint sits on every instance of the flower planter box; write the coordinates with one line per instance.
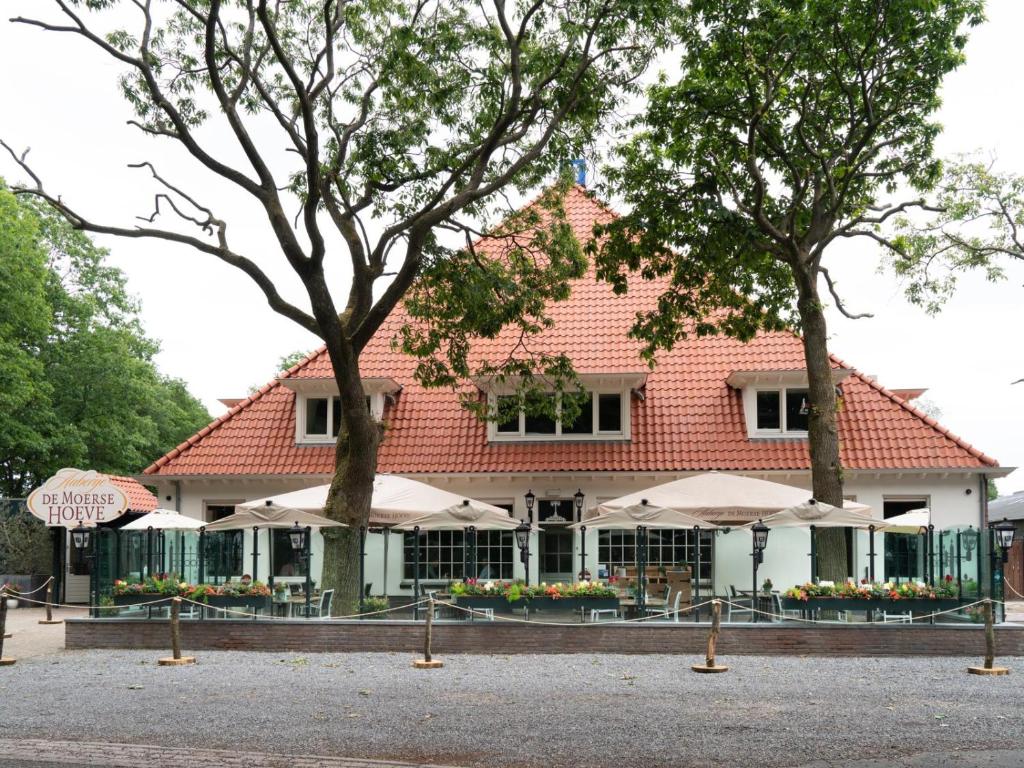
(917, 605)
(249, 603)
(502, 605)
(124, 601)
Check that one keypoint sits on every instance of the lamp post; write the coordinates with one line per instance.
(577, 499)
(362, 566)
(760, 533)
(85, 543)
(523, 540)
(531, 499)
(299, 539)
(1004, 535)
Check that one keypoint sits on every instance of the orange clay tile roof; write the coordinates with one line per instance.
(139, 499)
(690, 418)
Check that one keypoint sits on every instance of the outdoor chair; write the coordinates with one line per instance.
(780, 613)
(736, 600)
(897, 618)
(672, 614)
(654, 610)
(322, 609)
(597, 613)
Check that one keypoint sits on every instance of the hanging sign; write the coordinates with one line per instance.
(74, 496)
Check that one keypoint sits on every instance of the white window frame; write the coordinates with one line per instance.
(783, 429)
(301, 436)
(520, 436)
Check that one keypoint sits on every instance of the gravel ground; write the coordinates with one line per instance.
(556, 711)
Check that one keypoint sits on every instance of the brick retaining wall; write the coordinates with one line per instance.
(487, 637)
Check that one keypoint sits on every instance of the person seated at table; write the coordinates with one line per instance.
(246, 579)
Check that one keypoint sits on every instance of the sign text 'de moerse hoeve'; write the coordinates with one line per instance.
(74, 496)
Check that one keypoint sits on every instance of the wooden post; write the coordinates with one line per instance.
(49, 607)
(4, 662)
(709, 664)
(428, 662)
(176, 658)
(990, 647)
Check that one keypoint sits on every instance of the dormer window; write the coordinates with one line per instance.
(602, 416)
(782, 410)
(776, 403)
(318, 406)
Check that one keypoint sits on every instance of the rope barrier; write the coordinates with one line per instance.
(802, 620)
(265, 617)
(513, 619)
(16, 595)
(1009, 586)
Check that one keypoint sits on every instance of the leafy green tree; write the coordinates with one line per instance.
(975, 223)
(404, 122)
(79, 384)
(794, 124)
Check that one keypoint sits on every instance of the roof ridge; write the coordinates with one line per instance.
(179, 449)
(917, 412)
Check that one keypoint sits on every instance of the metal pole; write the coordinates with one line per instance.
(871, 553)
(93, 568)
(255, 551)
(755, 556)
(960, 578)
(695, 576)
(362, 565)
(814, 557)
(416, 573)
(387, 539)
(583, 550)
(117, 553)
(641, 569)
(308, 557)
(931, 555)
(202, 555)
(57, 536)
(469, 551)
(149, 551)
(181, 555)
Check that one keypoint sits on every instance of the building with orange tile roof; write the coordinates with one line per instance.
(711, 403)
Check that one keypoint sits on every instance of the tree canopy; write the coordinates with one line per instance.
(78, 385)
(794, 124)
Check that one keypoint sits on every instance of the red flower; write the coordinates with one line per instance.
(949, 577)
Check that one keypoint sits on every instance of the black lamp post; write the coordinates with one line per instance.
(760, 533)
(299, 539)
(85, 543)
(531, 499)
(523, 540)
(1004, 536)
(577, 499)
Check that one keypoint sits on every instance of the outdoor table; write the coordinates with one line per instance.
(765, 602)
(628, 605)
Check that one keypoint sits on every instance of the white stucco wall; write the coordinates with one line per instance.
(786, 559)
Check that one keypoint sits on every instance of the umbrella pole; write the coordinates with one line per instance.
(308, 556)
(202, 556)
(362, 565)
(255, 551)
(416, 573)
(583, 551)
(814, 557)
(871, 553)
(695, 576)
(387, 537)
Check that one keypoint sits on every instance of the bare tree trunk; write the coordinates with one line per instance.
(351, 491)
(822, 428)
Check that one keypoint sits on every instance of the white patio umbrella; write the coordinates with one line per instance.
(646, 514)
(721, 497)
(395, 500)
(821, 515)
(461, 516)
(163, 520)
(916, 521)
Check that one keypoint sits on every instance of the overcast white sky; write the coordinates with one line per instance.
(60, 97)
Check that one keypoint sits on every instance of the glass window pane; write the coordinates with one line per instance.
(512, 423)
(335, 416)
(316, 416)
(583, 424)
(609, 413)
(768, 416)
(286, 560)
(540, 424)
(797, 410)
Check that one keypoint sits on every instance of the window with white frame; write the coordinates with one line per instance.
(665, 547)
(442, 555)
(783, 410)
(601, 416)
(320, 417)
